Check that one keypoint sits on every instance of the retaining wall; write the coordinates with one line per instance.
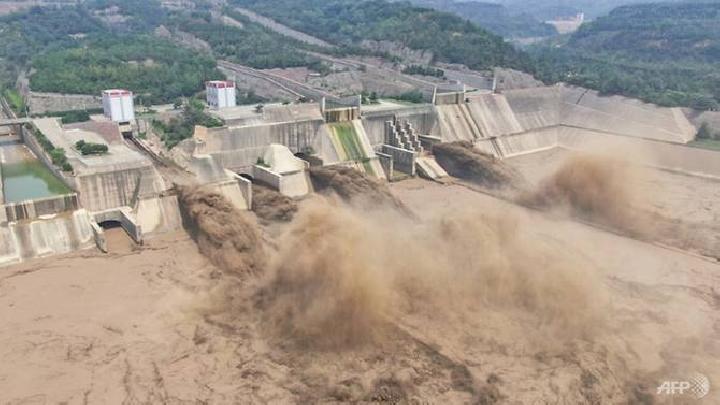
(245, 186)
(64, 233)
(422, 117)
(40, 103)
(456, 124)
(666, 155)
(99, 236)
(124, 217)
(449, 98)
(237, 148)
(386, 161)
(295, 184)
(529, 142)
(118, 188)
(33, 209)
(403, 159)
(156, 215)
(266, 176)
(624, 116)
(342, 114)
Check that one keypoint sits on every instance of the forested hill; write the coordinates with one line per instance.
(656, 32)
(550, 9)
(493, 17)
(349, 22)
(76, 49)
(663, 53)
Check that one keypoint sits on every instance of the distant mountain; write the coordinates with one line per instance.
(545, 10)
(493, 17)
(667, 53)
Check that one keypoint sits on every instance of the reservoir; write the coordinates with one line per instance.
(24, 177)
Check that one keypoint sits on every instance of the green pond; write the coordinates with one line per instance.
(29, 180)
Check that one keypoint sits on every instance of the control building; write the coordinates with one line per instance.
(118, 105)
(220, 94)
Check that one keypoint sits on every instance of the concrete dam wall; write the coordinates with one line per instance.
(121, 187)
(423, 118)
(237, 148)
(533, 112)
(33, 209)
(623, 116)
(507, 124)
(45, 237)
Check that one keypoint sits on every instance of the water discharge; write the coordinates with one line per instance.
(594, 188)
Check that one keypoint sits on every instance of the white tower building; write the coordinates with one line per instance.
(220, 94)
(118, 105)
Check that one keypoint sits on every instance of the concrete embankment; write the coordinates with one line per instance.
(64, 233)
(529, 120)
(624, 116)
(423, 118)
(118, 186)
(685, 159)
(237, 147)
(41, 207)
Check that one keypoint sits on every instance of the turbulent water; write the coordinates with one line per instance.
(229, 237)
(354, 187)
(461, 160)
(594, 188)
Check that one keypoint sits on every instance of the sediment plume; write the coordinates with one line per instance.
(461, 160)
(595, 188)
(342, 278)
(271, 206)
(228, 237)
(354, 186)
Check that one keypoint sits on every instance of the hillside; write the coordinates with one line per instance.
(496, 18)
(550, 9)
(111, 44)
(105, 46)
(668, 54)
(157, 71)
(347, 22)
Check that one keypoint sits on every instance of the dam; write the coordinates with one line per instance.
(49, 209)
(506, 124)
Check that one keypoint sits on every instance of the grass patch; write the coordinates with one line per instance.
(711, 144)
(16, 101)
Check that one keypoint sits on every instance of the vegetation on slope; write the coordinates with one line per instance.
(349, 22)
(251, 44)
(495, 18)
(87, 56)
(36, 30)
(128, 15)
(182, 127)
(156, 70)
(668, 54)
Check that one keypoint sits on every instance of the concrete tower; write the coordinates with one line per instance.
(118, 105)
(220, 94)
